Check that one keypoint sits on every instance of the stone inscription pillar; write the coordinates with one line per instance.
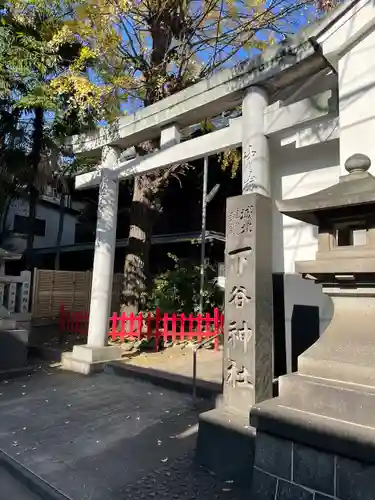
(255, 151)
(105, 246)
(248, 341)
(248, 336)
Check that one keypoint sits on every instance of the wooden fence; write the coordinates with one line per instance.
(149, 325)
(71, 288)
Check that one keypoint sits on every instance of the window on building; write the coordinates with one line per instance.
(22, 224)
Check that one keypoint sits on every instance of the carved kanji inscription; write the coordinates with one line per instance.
(237, 375)
(240, 220)
(240, 335)
(240, 259)
(248, 155)
(239, 296)
(249, 180)
(248, 369)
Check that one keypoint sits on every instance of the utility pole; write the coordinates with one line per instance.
(206, 198)
(203, 232)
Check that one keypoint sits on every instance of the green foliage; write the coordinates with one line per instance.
(37, 52)
(177, 290)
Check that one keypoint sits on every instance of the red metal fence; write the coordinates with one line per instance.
(137, 326)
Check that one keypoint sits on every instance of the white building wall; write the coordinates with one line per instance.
(297, 172)
(356, 73)
(51, 216)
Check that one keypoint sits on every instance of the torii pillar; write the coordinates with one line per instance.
(91, 356)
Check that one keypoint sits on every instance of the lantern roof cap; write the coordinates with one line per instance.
(355, 189)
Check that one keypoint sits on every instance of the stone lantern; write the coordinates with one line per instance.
(318, 436)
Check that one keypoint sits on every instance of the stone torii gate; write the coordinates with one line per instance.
(287, 97)
(265, 87)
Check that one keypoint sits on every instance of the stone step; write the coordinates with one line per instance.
(293, 381)
(19, 483)
(337, 369)
(311, 427)
(352, 403)
(7, 324)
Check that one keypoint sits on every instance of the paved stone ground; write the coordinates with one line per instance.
(12, 489)
(182, 480)
(105, 438)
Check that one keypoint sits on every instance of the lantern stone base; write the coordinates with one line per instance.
(285, 470)
(317, 437)
(225, 445)
(87, 360)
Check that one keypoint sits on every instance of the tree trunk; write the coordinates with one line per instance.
(142, 214)
(4, 214)
(34, 161)
(60, 231)
(136, 272)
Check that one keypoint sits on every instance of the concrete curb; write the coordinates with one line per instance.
(34, 483)
(18, 372)
(168, 380)
(45, 353)
(55, 354)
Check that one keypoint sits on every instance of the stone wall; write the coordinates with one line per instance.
(284, 470)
